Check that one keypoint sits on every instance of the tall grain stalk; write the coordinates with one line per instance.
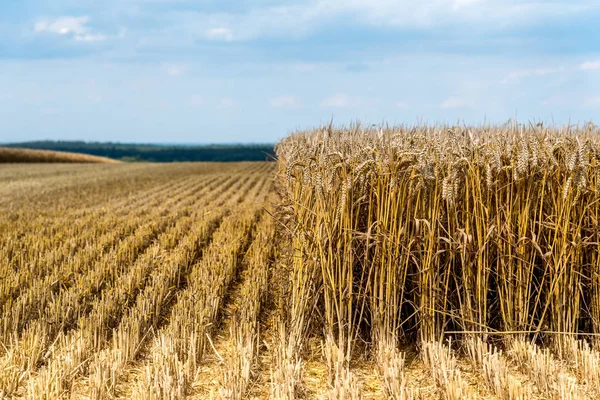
(404, 232)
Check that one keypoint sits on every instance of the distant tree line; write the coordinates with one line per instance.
(158, 153)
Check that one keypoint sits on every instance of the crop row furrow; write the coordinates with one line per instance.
(60, 316)
(245, 323)
(53, 230)
(101, 234)
(76, 273)
(164, 338)
(179, 348)
(148, 312)
(69, 355)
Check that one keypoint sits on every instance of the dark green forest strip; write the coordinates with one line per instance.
(159, 153)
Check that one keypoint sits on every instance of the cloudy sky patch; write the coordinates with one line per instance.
(230, 71)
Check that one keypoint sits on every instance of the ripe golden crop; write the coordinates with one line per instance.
(367, 263)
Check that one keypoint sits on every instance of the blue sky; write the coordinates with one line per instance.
(251, 71)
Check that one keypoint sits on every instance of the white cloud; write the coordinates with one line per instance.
(220, 34)
(452, 103)
(338, 100)
(553, 101)
(590, 65)
(305, 67)
(402, 105)
(303, 18)
(458, 4)
(227, 102)
(342, 100)
(174, 69)
(515, 75)
(592, 102)
(285, 101)
(196, 100)
(90, 38)
(94, 98)
(578, 100)
(435, 12)
(75, 27)
(48, 111)
(64, 25)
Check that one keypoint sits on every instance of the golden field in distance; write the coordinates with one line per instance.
(367, 262)
(16, 155)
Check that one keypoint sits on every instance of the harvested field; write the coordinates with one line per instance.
(402, 263)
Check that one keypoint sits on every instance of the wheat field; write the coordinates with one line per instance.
(437, 262)
(17, 155)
